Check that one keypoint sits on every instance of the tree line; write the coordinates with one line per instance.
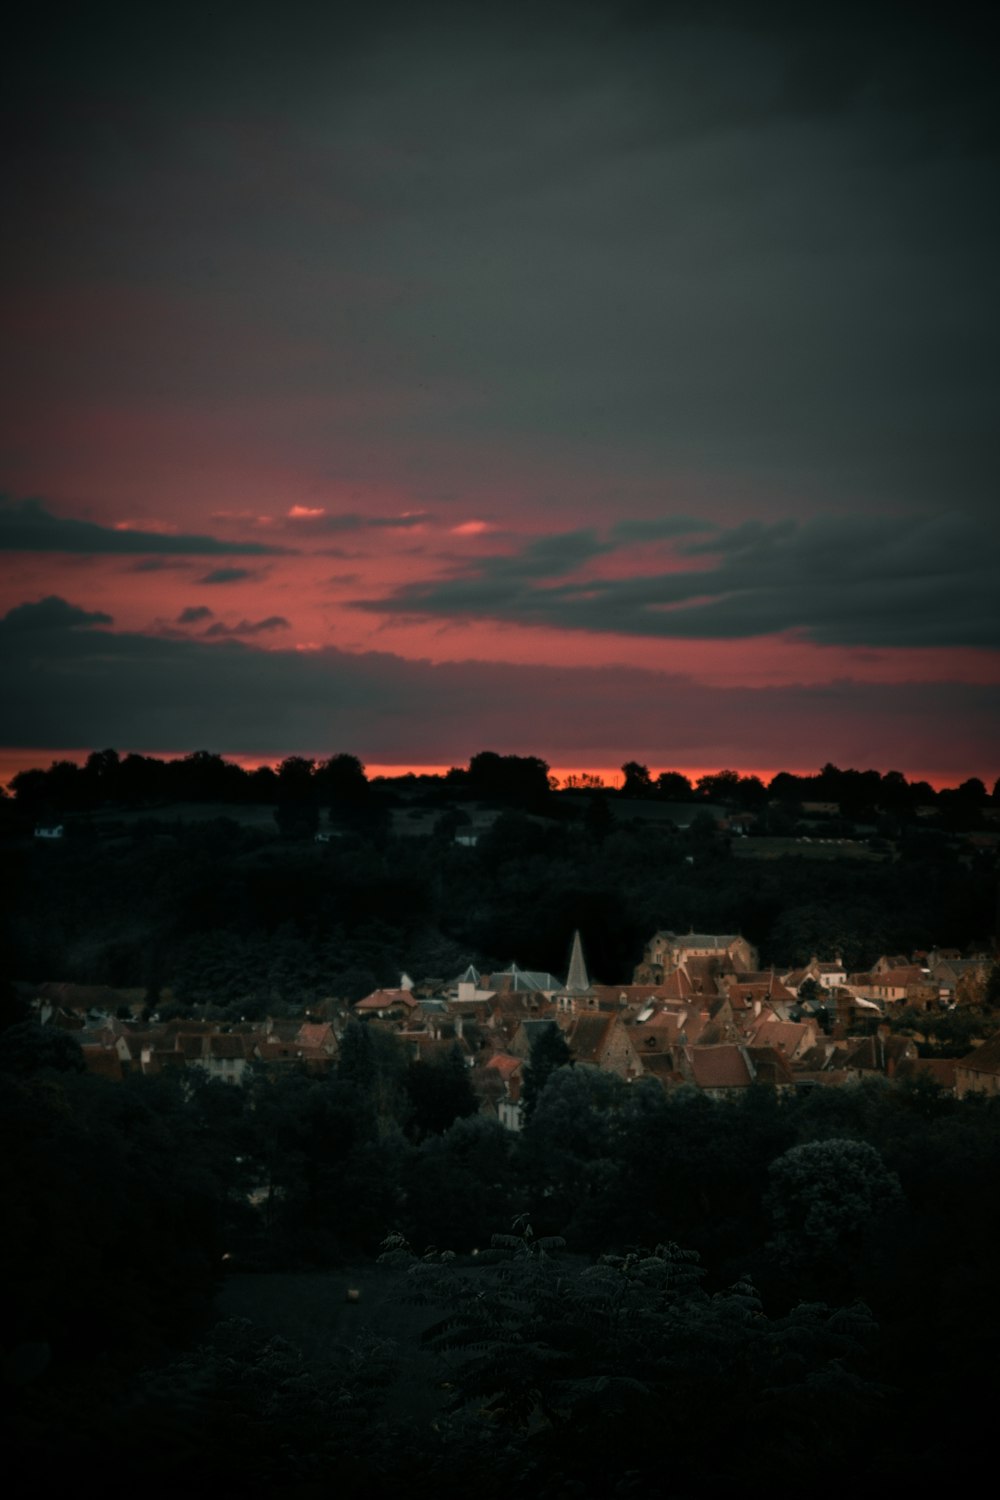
(523, 781)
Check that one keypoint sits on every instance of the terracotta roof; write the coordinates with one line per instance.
(785, 1036)
(718, 942)
(899, 978)
(675, 986)
(984, 1059)
(191, 1044)
(159, 1062)
(384, 999)
(504, 1064)
(102, 1062)
(660, 1065)
(875, 1053)
(721, 1067)
(228, 1046)
(282, 1029)
(940, 1069)
(702, 974)
(833, 1078)
(588, 1036)
(795, 977)
(317, 1034)
(273, 1049)
(770, 1066)
(678, 984)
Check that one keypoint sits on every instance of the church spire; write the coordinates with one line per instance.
(577, 979)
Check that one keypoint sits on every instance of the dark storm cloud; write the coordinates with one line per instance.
(50, 614)
(26, 526)
(247, 627)
(70, 687)
(845, 580)
(663, 529)
(194, 614)
(755, 243)
(227, 575)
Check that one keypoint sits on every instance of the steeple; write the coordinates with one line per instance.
(576, 979)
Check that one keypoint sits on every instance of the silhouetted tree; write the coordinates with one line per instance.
(674, 786)
(519, 780)
(719, 786)
(549, 1051)
(439, 1093)
(637, 782)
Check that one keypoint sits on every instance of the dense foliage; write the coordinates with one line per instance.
(840, 1253)
(235, 918)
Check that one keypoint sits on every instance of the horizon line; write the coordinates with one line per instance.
(15, 760)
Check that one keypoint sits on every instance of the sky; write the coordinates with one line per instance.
(595, 381)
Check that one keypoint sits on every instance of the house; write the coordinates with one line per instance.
(910, 985)
(223, 1055)
(791, 1039)
(667, 950)
(979, 1072)
(630, 999)
(603, 1041)
(881, 1053)
(318, 1035)
(827, 974)
(961, 981)
(889, 961)
(102, 1062)
(720, 1071)
(501, 1079)
(522, 981)
(661, 1027)
(939, 1070)
(771, 1067)
(278, 1054)
(508, 1010)
(660, 1065)
(383, 1004)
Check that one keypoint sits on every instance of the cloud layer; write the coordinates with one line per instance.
(74, 683)
(28, 526)
(847, 580)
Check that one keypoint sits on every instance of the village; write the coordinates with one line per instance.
(697, 1012)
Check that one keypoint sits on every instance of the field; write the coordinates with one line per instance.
(805, 848)
(249, 815)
